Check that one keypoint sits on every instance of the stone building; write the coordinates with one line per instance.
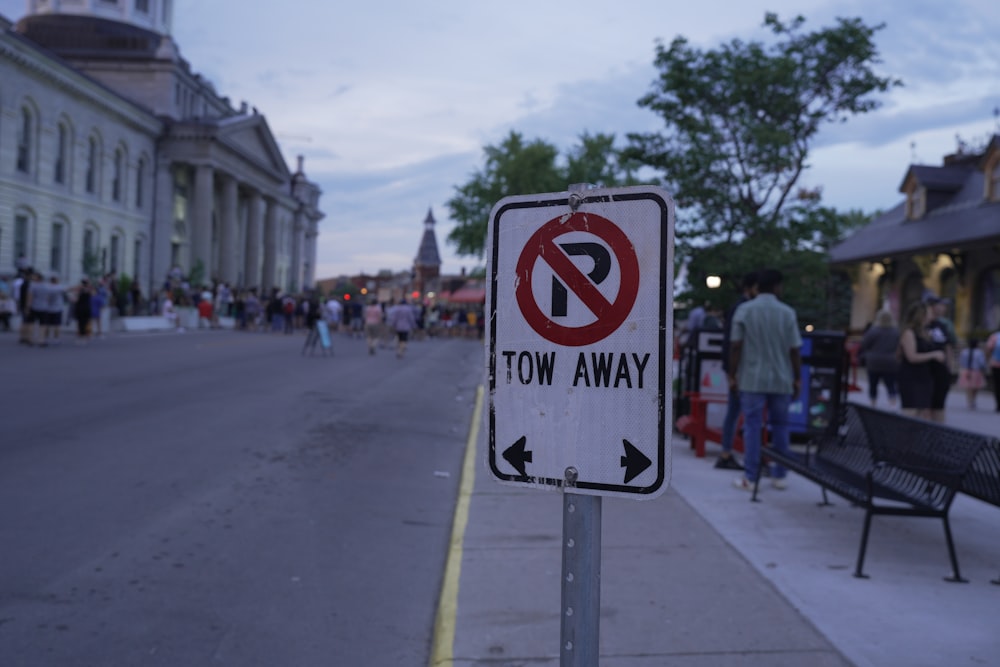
(944, 237)
(116, 156)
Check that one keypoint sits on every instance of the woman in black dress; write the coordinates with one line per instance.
(916, 382)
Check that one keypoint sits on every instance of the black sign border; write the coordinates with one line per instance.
(665, 355)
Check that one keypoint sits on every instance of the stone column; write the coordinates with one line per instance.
(309, 268)
(201, 233)
(228, 233)
(298, 234)
(163, 227)
(251, 272)
(270, 243)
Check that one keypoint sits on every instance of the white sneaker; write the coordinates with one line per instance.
(743, 483)
(779, 483)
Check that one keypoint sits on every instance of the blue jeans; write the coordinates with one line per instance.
(753, 422)
(729, 422)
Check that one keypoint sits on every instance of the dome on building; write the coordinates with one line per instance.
(153, 15)
(88, 37)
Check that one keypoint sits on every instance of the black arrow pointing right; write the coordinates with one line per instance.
(634, 461)
(517, 457)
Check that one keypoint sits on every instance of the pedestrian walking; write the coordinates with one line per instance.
(878, 350)
(334, 313)
(402, 320)
(726, 460)
(993, 353)
(765, 365)
(917, 353)
(82, 310)
(373, 324)
(971, 371)
(53, 307)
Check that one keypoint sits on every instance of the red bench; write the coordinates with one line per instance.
(695, 424)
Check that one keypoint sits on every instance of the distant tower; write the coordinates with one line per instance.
(154, 15)
(427, 265)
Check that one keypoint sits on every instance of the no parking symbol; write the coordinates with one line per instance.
(543, 246)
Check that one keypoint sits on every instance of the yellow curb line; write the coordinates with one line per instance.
(444, 624)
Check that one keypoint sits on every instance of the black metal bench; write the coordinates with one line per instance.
(983, 479)
(894, 465)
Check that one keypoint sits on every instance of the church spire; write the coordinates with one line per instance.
(427, 255)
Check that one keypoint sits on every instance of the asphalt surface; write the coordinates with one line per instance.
(216, 498)
(301, 463)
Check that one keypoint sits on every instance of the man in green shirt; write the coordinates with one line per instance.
(765, 366)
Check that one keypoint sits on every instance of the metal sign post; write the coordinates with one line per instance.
(580, 627)
(579, 351)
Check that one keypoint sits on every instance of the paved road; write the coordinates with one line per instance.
(216, 498)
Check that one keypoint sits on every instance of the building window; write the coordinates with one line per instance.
(116, 179)
(57, 249)
(116, 249)
(62, 154)
(22, 240)
(136, 259)
(915, 203)
(142, 6)
(90, 260)
(24, 134)
(93, 155)
(140, 173)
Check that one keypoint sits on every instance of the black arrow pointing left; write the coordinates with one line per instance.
(517, 457)
(634, 461)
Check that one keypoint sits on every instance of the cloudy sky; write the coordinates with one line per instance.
(392, 102)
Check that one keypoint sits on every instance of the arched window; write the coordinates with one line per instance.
(117, 247)
(137, 265)
(91, 258)
(61, 165)
(118, 175)
(25, 135)
(58, 246)
(24, 237)
(140, 174)
(93, 164)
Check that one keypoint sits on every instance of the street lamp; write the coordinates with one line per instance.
(713, 282)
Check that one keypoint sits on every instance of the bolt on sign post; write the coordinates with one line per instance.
(579, 362)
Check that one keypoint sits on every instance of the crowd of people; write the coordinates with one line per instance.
(918, 363)
(45, 305)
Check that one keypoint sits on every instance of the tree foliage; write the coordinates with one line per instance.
(516, 167)
(739, 124)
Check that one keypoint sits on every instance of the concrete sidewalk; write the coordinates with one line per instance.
(702, 576)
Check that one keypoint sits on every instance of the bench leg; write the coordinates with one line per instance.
(956, 578)
(826, 499)
(858, 571)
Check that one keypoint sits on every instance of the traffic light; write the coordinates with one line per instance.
(347, 297)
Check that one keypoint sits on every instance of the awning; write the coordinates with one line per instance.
(468, 295)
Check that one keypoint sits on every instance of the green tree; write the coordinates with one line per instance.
(517, 167)
(739, 124)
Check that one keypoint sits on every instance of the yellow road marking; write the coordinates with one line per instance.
(444, 624)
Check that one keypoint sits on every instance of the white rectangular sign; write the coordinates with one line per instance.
(579, 340)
